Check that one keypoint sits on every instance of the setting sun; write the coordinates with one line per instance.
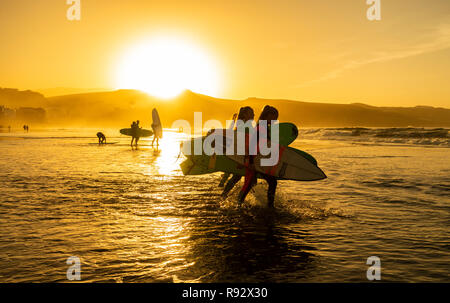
(164, 67)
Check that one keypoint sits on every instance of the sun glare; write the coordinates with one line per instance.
(164, 67)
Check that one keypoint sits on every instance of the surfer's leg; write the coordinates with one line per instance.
(250, 177)
(244, 192)
(272, 181)
(153, 141)
(224, 179)
(230, 184)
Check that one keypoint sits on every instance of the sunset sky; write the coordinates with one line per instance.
(324, 51)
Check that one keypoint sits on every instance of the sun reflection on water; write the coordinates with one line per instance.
(167, 154)
(162, 160)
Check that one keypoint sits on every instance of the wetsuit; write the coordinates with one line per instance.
(250, 175)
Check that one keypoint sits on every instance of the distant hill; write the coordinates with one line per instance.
(21, 107)
(119, 108)
(15, 98)
(60, 91)
(350, 115)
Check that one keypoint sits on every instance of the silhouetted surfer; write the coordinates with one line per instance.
(101, 138)
(156, 127)
(135, 133)
(155, 135)
(245, 114)
(268, 114)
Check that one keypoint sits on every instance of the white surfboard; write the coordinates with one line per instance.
(156, 125)
(291, 165)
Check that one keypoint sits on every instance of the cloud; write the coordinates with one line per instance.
(440, 40)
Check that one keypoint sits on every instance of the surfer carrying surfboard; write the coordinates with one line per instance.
(268, 114)
(156, 127)
(135, 130)
(245, 114)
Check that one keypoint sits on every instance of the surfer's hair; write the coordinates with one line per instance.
(245, 112)
(268, 111)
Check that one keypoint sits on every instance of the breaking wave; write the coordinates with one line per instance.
(408, 135)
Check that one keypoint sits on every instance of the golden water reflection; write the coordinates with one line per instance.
(164, 159)
(169, 149)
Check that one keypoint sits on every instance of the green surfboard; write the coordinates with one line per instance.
(288, 132)
(203, 164)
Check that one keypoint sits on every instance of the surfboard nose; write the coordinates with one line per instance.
(324, 176)
(187, 147)
(295, 131)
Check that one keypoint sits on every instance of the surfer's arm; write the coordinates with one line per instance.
(233, 122)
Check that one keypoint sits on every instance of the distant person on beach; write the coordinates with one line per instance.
(245, 114)
(9, 128)
(101, 138)
(155, 136)
(156, 127)
(135, 131)
(268, 114)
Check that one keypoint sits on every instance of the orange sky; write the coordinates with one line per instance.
(293, 49)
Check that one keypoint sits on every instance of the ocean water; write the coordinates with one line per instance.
(131, 216)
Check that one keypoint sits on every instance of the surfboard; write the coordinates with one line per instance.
(189, 167)
(140, 132)
(203, 164)
(156, 125)
(291, 165)
(107, 143)
(288, 132)
(206, 164)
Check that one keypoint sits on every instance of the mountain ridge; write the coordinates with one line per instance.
(119, 107)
